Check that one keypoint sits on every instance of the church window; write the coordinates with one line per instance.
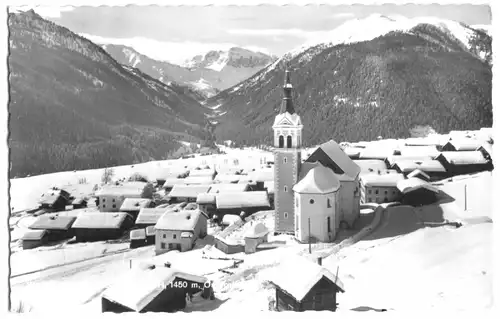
(285, 188)
(369, 191)
(285, 215)
(289, 141)
(311, 201)
(296, 202)
(386, 192)
(281, 142)
(376, 191)
(328, 204)
(329, 224)
(284, 160)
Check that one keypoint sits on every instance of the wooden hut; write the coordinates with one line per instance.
(154, 289)
(150, 235)
(255, 235)
(57, 227)
(54, 200)
(101, 226)
(417, 192)
(137, 238)
(313, 287)
(206, 203)
(34, 238)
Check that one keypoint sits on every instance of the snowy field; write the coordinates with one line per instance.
(449, 269)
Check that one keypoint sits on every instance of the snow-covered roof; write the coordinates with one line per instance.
(139, 287)
(319, 180)
(422, 151)
(414, 183)
(53, 222)
(228, 188)
(406, 166)
(336, 155)
(352, 151)
(297, 276)
(136, 234)
(171, 182)
(229, 219)
(198, 180)
(370, 166)
(382, 180)
(190, 191)
(205, 198)
(257, 230)
(129, 189)
(100, 220)
(396, 158)
(417, 172)
(227, 178)
(462, 144)
(149, 216)
(134, 204)
(201, 172)
(463, 157)
(262, 175)
(377, 152)
(269, 185)
(287, 119)
(242, 200)
(35, 234)
(170, 173)
(150, 231)
(185, 220)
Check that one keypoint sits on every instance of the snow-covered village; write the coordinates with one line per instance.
(279, 214)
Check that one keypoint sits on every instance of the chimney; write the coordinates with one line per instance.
(320, 261)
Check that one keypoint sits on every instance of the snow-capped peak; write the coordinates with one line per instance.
(133, 57)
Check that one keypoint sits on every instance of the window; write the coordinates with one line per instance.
(369, 200)
(162, 245)
(385, 192)
(170, 246)
(369, 191)
(281, 141)
(174, 236)
(114, 206)
(296, 201)
(284, 160)
(164, 235)
(288, 141)
(104, 199)
(393, 192)
(329, 224)
(285, 188)
(328, 204)
(103, 206)
(114, 200)
(311, 201)
(386, 200)
(376, 191)
(285, 215)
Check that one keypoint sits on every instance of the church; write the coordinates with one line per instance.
(315, 197)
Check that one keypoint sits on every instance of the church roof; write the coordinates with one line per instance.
(287, 102)
(287, 119)
(319, 180)
(338, 157)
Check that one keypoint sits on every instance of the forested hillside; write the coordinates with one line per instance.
(72, 106)
(359, 91)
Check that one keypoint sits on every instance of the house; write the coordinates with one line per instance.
(313, 287)
(461, 145)
(137, 238)
(417, 192)
(111, 197)
(150, 235)
(206, 203)
(179, 231)
(34, 238)
(255, 235)
(289, 168)
(99, 226)
(153, 289)
(187, 193)
(390, 161)
(57, 227)
(228, 188)
(236, 202)
(427, 151)
(419, 174)
(54, 200)
(79, 202)
(269, 187)
(149, 216)
(134, 205)
(464, 162)
(317, 205)
(370, 166)
(171, 182)
(381, 188)
(487, 150)
(433, 168)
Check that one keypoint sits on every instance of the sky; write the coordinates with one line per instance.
(178, 33)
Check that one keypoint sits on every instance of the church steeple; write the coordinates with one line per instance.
(287, 102)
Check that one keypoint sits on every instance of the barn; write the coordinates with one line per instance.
(187, 193)
(101, 226)
(34, 238)
(465, 162)
(417, 192)
(313, 287)
(57, 227)
(134, 205)
(248, 202)
(149, 216)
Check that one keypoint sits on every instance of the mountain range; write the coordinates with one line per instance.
(379, 76)
(208, 73)
(72, 106)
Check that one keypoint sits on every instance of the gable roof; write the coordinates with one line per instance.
(417, 172)
(406, 166)
(53, 222)
(413, 183)
(149, 216)
(150, 230)
(201, 172)
(171, 182)
(337, 157)
(198, 180)
(100, 220)
(242, 200)
(227, 178)
(134, 204)
(34, 234)
(383, 180)
(319, 180)
(185, 220)
(377, 152)
(228, 188)
(137, 234)
(463, 158)
(128, 189)
(422, 151)
(257, 230)
(416, 158)
(463, 144)
(262, 175)
(305, 275)
(205, 198)
(190, 191)
(287, 119)
(371, 165)
(139, 287)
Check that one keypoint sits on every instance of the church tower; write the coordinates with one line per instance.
(287, 129)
